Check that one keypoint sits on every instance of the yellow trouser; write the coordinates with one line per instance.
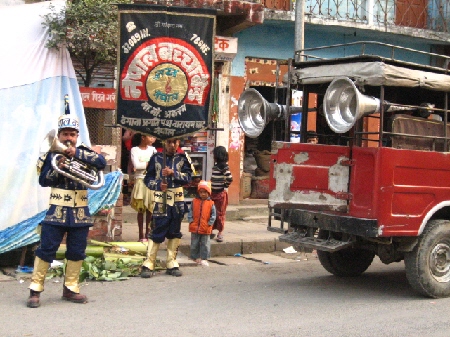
(152, 251)
(72, 275)
(38, 276)
(172, 249)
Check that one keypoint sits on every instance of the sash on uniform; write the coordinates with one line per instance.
(68, 198)
(172, 195)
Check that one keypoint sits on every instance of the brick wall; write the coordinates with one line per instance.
(100, 229)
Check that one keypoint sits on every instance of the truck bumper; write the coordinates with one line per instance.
(334, 222)
(329, 245)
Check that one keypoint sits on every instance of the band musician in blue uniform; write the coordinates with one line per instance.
(166, 182)
(68, 213)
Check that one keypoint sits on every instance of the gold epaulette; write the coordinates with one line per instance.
(84, 146)
(40, 163)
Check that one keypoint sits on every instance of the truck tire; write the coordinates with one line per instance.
(347, 262)
(428, 265)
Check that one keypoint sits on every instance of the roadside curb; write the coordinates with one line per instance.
(240, 247)
(245, 233)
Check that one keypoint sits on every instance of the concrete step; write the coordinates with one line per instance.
(248, 209)
(241, 212)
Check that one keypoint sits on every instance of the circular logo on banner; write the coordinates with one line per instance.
(166, 85)
(166, 71)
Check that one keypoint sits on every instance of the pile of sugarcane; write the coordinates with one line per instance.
(112, 261)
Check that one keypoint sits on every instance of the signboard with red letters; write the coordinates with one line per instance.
(225, 48)
(165, 69)
(100, 98)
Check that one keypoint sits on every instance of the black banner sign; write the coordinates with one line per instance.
(166, 69)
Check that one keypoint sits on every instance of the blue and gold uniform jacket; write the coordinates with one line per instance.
(182, 167)
(68, 198)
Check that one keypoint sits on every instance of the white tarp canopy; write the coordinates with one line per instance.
(33, 83)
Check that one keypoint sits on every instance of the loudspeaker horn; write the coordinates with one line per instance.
(254, 112)
(343, 105)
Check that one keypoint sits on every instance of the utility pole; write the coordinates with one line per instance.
(299, 43)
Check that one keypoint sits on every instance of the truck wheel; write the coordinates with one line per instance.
(428, 265)
(345, 262)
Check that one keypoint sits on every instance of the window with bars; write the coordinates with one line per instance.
(422, 14)
(100, 125)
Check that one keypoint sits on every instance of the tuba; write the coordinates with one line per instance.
(72, 168)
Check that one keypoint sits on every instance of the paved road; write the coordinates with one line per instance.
(256, 295)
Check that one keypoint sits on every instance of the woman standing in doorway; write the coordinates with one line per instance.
(141, 197)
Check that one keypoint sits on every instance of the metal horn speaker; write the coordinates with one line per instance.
(254, 112)
(344, 105)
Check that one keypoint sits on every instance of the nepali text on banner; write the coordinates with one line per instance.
(166, 69)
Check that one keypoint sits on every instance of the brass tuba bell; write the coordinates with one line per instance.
(51, 143)
(72, 168)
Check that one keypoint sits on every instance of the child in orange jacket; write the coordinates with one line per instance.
(201, 217)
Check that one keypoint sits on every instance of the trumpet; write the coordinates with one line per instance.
(71, 167)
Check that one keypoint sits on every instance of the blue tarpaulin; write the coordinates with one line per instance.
(24, 233)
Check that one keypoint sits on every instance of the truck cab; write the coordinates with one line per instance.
(378, 181)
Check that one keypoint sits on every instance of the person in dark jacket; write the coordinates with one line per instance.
(68, 213)
(166, 180)
(201, 217)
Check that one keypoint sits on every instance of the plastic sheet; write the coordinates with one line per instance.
(24, 233)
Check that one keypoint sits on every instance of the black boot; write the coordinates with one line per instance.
(174, 272)
(33, 300)
(147, 273)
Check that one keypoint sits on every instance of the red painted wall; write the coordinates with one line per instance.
(236, 140)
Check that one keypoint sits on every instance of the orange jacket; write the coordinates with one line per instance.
(202, 212)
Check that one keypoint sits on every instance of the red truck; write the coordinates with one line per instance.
(378, 182)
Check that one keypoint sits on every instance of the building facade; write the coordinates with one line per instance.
(420, 25)
(267, 33)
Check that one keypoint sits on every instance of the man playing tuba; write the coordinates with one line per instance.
(68, 213)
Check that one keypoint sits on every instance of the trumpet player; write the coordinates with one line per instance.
(68, 212)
